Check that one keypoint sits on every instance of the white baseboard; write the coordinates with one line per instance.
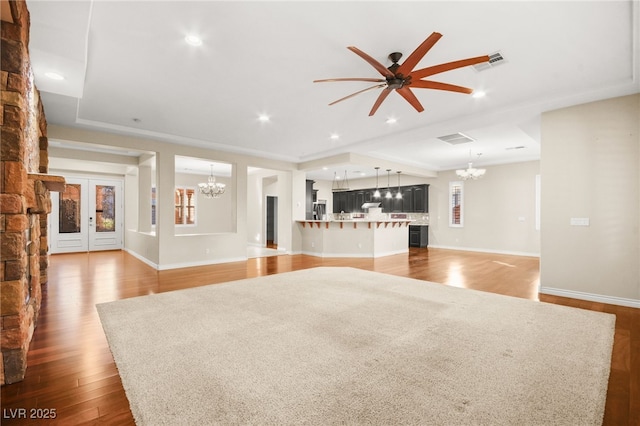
(141, 258)
(610, 300)
(185, 264)
(481, 250)
(354, 255)
(201, 263)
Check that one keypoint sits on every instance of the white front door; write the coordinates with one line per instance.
(88, 216)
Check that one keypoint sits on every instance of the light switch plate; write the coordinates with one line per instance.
(579, 221)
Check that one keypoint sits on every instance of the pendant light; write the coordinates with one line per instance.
(388, 194)
(377, 193)
(399, 194)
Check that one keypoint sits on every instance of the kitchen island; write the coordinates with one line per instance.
(354, 237)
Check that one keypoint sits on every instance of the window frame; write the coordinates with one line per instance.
(453, 203)
(185, 206)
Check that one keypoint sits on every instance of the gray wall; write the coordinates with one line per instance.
(589, 168)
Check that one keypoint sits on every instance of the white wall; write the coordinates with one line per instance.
(165, 249)
(590, 163)
(213, 215)
(500, 208)
(263, 183)
(499, 211)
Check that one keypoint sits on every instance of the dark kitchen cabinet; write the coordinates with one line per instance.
(308, 200)
(387, 203)
(360, 197)
(340, 202)
(420, 198)
(407, 199)
(418, 236)
(415, 199)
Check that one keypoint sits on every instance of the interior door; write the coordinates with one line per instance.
(87, 216)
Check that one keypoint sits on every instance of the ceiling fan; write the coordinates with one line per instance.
(402, 77)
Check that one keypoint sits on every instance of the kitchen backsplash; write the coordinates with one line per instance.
(417, 218)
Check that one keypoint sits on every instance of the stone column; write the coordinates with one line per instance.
(24, 202)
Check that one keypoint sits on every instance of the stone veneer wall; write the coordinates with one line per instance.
(24, 198)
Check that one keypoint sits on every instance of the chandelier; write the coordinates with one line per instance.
(471, 172)
(211, 189)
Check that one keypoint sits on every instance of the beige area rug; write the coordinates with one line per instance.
(347, 346)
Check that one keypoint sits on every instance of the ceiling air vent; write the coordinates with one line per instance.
(494, 60)
(456, 139)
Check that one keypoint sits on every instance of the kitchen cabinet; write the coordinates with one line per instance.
(418, 236)
(340, 202)
(359, 200)
(309, 199)
(415, 199)
(420, 195)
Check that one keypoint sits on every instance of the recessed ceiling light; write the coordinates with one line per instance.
(335, 136)
(478, 94)
(391, 120)
(54, 75)
(193, 40)
(263, 118)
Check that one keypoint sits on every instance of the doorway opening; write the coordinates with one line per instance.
(272, 222)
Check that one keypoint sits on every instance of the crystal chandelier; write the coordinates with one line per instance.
(471, 172)
(211, 189)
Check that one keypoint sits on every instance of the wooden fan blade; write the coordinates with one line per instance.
(418, 54)
(437, 69)
(377, 65)
(406, 93)
(426, 84)
(377, 86)
(373, 80)
(381, 98)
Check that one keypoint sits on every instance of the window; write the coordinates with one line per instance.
(456, 212)
(185, 207)
(153, 206)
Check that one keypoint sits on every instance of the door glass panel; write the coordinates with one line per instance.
(69, 211)
(105, 208)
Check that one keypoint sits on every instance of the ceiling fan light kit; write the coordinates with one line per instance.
(402, 77)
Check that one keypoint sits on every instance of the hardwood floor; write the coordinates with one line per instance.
(72, 372)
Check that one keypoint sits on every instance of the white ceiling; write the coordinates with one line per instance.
(128, 70)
